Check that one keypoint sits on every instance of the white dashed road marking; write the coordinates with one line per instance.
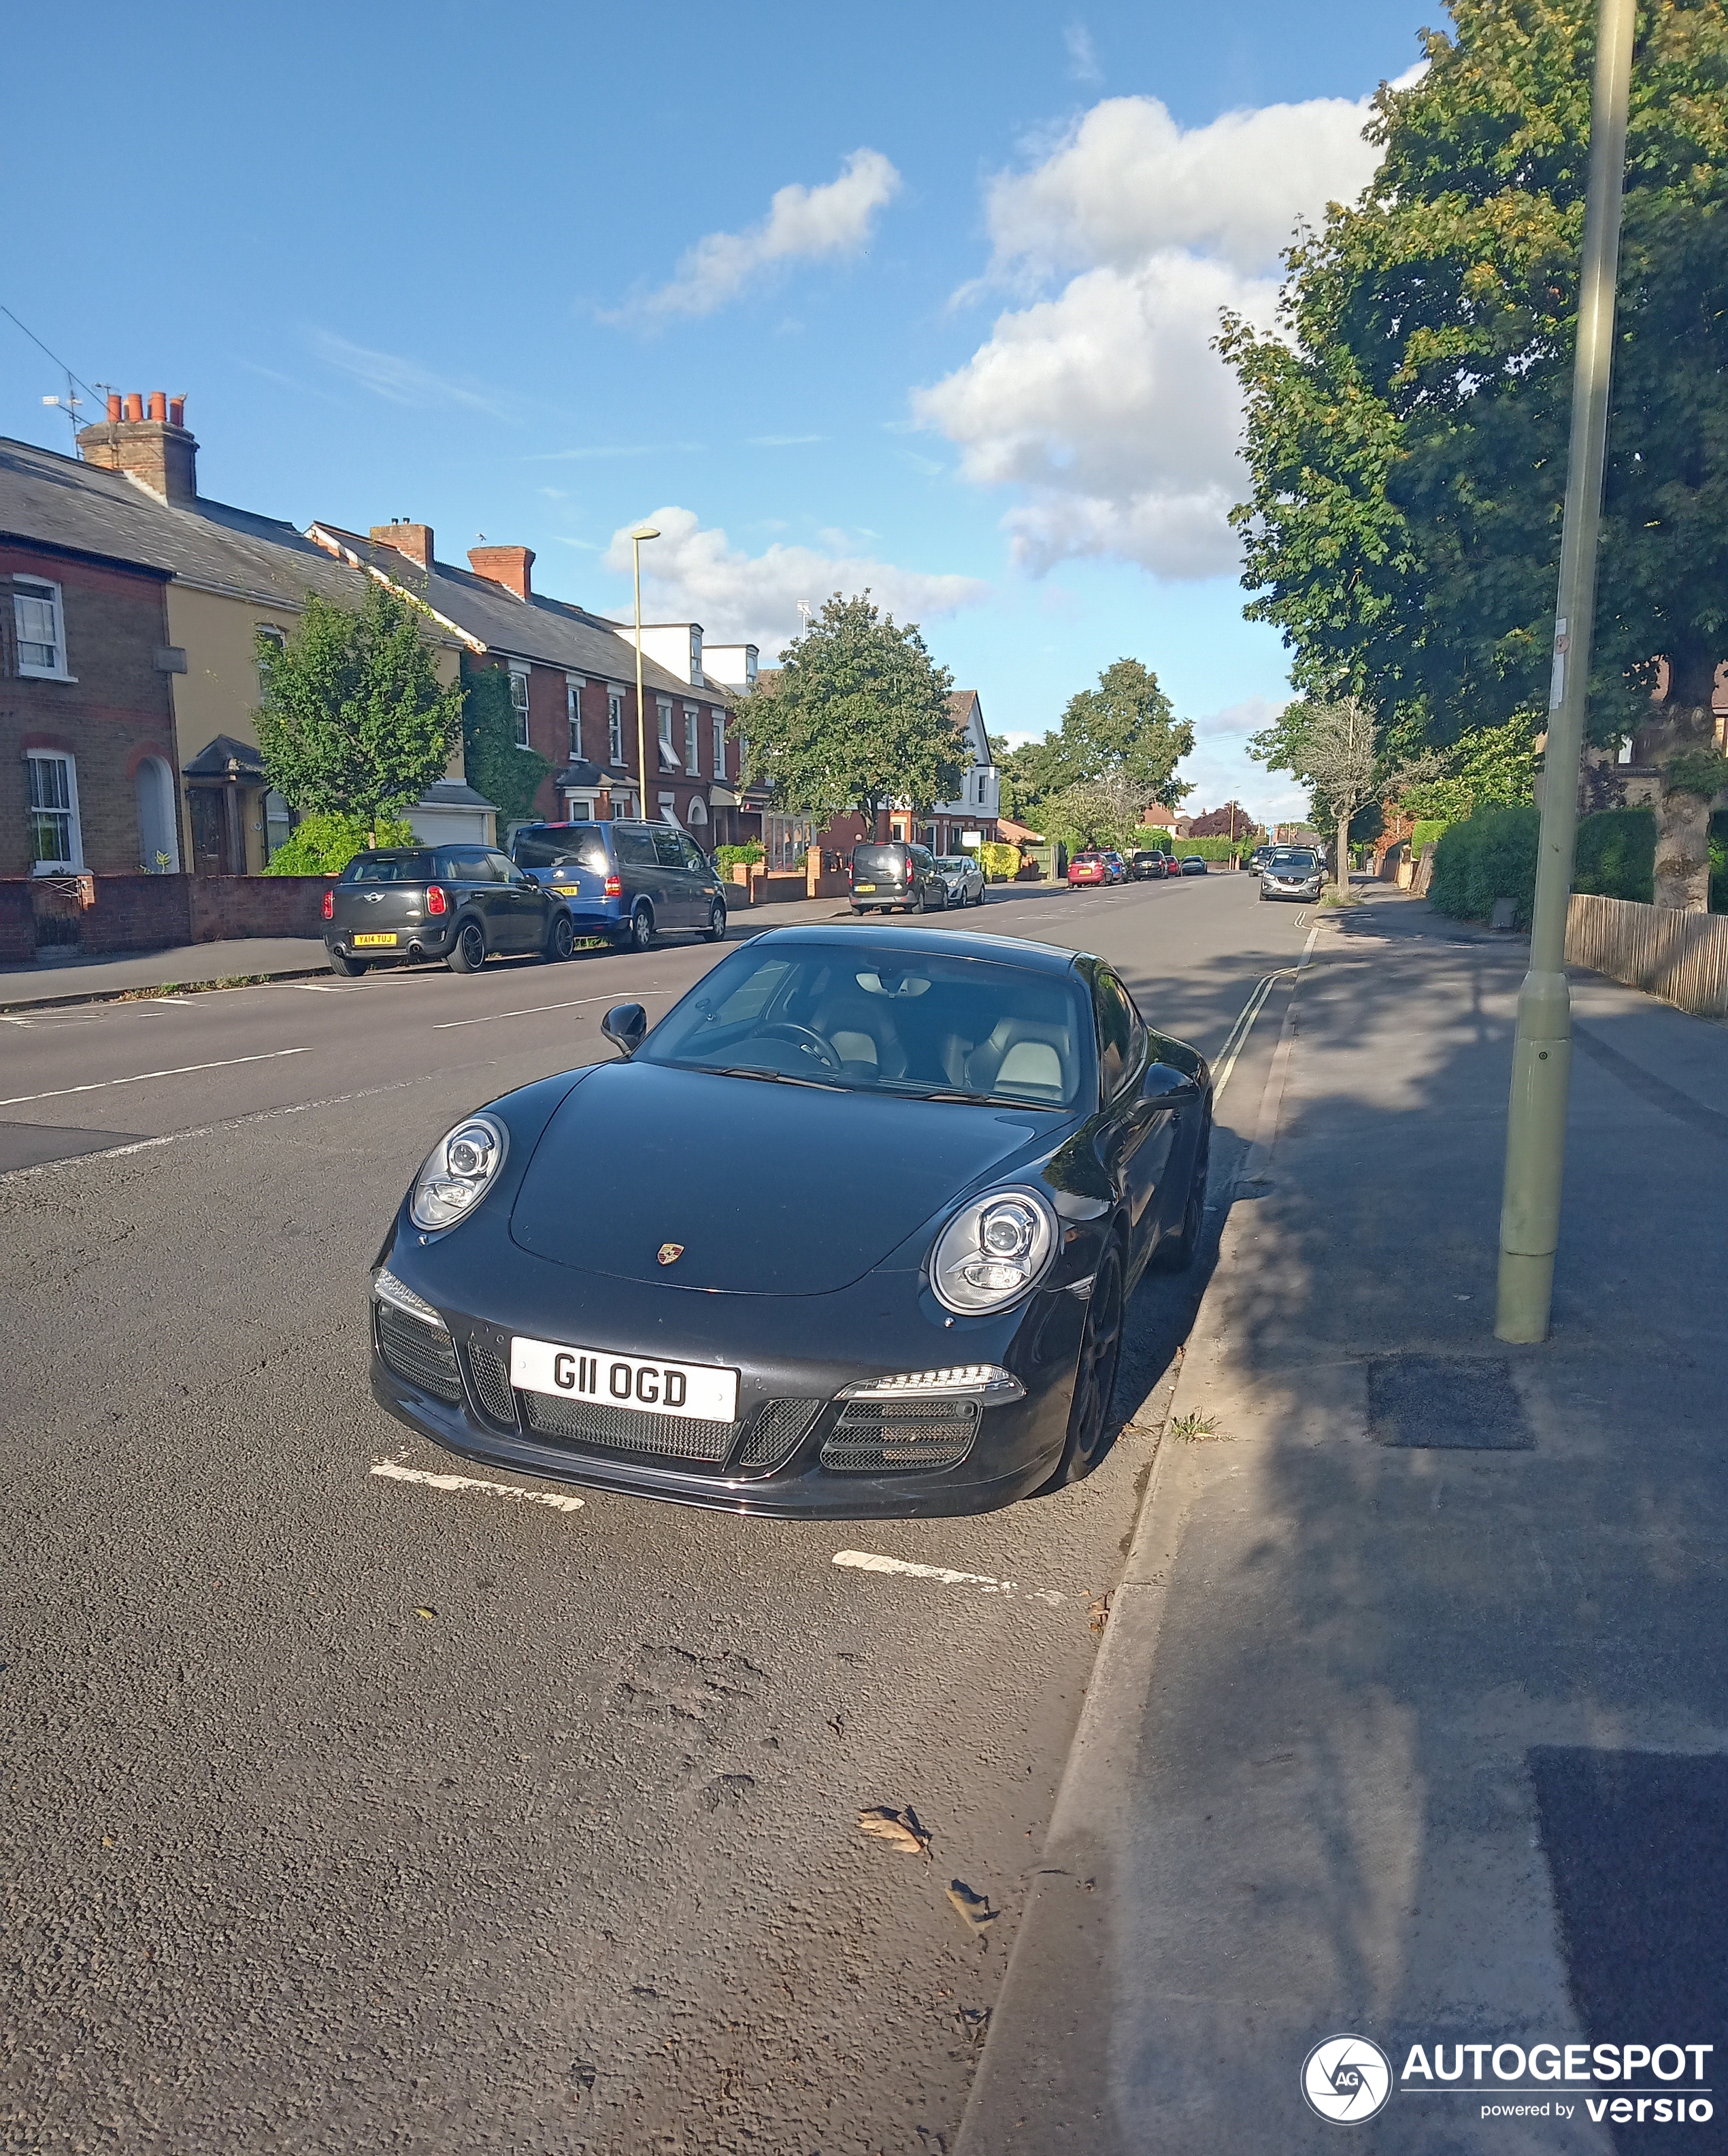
(445, 1025)
(868, 1561)
(138, 1077)
(393, 1471)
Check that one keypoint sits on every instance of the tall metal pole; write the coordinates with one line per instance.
(1541, 1058)
(642, 531)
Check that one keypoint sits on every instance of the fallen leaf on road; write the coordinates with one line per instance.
(901, 1830)
(1098, 1615)
(974, 1908)
(428, 1614)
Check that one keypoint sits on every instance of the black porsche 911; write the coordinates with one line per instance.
(848, 1233)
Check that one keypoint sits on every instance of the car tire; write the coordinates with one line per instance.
(1176, 1252)
(641, 931)
(349, 969)
(560, 939)
(715, 931)
(983, 893)
(468, 954)
(1096, 1374)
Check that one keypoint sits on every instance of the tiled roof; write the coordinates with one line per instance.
(61, 501)
(548, 631)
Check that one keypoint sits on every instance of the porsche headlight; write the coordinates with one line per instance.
(992, 1251)
(458, 1172)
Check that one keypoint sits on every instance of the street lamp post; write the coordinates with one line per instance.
(642, 531)
(1541, 1056)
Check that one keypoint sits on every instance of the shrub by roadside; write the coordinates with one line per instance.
(324, 845)
(1491, 854)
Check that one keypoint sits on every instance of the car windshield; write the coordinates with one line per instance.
(388, 868)
(953, 864)
(1296, 859)
(853, 1019)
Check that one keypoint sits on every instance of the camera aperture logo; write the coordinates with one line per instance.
(1346, 2079)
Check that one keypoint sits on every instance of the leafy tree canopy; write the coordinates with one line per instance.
(324, 844)
(509, 776)
(354, 721)
(858, 717)
(1407, 427)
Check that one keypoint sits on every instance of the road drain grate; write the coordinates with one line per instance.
(1441, 1403)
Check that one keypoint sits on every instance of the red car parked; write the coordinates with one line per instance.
(1087, 868)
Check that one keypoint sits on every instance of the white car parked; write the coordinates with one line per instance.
(964, 878)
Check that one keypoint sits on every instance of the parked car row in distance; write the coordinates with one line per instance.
(1098, 866)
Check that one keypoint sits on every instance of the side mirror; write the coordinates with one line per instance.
(623, 1026)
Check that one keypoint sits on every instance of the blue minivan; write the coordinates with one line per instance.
(627, 881)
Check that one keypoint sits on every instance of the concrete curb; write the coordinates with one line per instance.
(141, 991)
(1066, 2058)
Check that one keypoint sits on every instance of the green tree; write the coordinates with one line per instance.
(858, 717)
(1407, 428)
(1123, 735)
(354, 721)
(1331, 748)
(508, 775)
(324, 844)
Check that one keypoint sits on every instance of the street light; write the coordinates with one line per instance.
(642, 533)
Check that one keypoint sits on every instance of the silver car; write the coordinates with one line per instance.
(1291, 872)
(963, 877)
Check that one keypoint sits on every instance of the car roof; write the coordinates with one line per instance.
(910, 942)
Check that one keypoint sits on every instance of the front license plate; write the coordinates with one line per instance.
(864, 887)
(646, 1384)
(372, 941)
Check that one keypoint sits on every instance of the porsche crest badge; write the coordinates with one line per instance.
(668, 1253)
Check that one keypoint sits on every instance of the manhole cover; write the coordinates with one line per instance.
(1434, 1402)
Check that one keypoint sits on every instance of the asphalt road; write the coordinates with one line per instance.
(350, 1811)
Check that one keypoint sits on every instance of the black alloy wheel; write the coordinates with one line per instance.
(715, 931)
(561, 938)
(641, 928)
(1175, 1254)
(469, 954)
(349, 969)
(1095, 1379)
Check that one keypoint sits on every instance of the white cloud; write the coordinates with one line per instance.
(405, 381)
(802, 224)
(1082, 55)
(1098, 400)
(693, 575)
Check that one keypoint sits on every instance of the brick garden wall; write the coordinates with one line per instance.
(156, 913)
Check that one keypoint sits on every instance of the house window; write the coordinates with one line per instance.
(519, 698)
(615, 726)
(666, 722)
(54, 840)
(720, 744)
(41, 633)
(573, 708)
(278, 822)
(269, 635)
(692, 753)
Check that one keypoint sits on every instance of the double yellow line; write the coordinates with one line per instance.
(1236, 1038)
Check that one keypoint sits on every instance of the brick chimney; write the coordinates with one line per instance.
(414, 539)
(158, 451)
(507, 565)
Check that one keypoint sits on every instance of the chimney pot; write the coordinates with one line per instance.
(414, 539)
(135, 408)
(176, 411)
(158, 405)
(114, 407)
(507, 565)
(157, 452)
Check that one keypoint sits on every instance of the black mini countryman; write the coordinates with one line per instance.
(848, 1233)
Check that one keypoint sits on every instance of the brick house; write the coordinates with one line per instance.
(572, 680)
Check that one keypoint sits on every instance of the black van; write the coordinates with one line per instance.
(626, 882)
(892, 872)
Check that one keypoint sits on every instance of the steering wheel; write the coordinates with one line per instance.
(802, 1037)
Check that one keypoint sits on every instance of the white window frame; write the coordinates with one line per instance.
(615, 726)
(34, 756)
(720, 744)
(519, 705)
(692, 741)
(665, 710)
(42, 591)
(573, 686)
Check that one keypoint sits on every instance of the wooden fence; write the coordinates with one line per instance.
(1683, 957)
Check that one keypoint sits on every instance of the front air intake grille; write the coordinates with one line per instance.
(899, 1437)
(491, 1383)
(778, 1429)
(421, 1355)
(620, 1429)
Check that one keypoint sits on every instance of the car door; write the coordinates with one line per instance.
(705, 884)
(640, 869)
(474, 895)
(530, 905)
(1142, 1109)
(679, 884)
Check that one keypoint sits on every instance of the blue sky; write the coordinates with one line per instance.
(919, 299)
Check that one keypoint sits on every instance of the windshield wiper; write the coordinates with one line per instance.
(768, 1077)
(988, 1101)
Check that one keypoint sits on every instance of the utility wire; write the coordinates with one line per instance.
(72, 381)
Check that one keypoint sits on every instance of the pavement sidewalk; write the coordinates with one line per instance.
(1411, 1717)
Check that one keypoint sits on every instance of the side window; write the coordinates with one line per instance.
(720, 745)
(691, 852)
(497, 868)
(1120, 1035)
(666, 847)
(573, 709)
(533, 850)
(54, 840)
(518, 701)
(468, 864)
(615, 728)
(749, 999)
(40, 627)
(635, 848)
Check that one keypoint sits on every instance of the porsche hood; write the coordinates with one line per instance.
(753, 1187)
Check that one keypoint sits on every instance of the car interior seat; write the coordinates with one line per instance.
(1023, 1056)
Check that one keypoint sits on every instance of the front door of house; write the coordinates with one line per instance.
(214, 830)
